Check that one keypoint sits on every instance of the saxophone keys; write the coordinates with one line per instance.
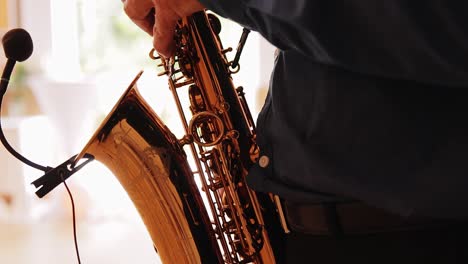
(163, 73)
(153, 56)
(178, 78)
(224, 51)
(185, 140)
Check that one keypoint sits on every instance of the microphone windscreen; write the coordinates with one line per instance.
(17, 44)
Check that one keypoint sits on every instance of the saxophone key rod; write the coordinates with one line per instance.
(240, 47)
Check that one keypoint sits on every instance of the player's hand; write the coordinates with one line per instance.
(158, 18)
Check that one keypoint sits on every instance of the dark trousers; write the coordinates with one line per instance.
(441, 245)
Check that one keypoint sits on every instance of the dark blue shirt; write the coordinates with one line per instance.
(366, 101)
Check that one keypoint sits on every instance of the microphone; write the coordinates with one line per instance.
(18, 46)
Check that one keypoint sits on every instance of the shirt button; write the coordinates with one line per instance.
(263, 161)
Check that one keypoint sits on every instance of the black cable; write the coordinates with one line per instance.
(74, 218)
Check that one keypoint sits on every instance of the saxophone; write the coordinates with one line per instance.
(206, 214)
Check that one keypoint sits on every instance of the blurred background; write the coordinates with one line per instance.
(86, 53)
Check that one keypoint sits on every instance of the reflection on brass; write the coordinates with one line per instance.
(204, 213)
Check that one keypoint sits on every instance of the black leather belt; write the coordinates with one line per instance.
(349, 218)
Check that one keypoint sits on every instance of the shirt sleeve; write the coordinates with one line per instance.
(395, 39)
(234, 10)
(289, 11)
(279, 32)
